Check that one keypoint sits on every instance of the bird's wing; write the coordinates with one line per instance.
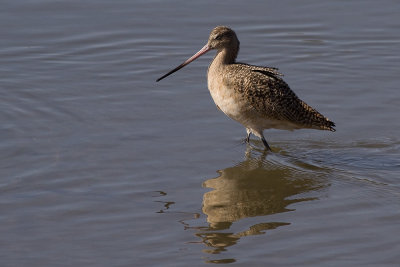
(265, 70)
(272, 97)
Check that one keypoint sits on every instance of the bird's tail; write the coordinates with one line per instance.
(328, 125)
(316, 120)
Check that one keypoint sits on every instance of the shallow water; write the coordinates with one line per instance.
(101, 166)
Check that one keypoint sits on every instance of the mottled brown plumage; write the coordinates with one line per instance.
(270, 95)
(257, 97)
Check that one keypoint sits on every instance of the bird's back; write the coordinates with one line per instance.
(270, 96)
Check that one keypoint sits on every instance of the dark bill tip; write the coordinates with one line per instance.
(202, 51)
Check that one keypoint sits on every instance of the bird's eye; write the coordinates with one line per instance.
(218, 37)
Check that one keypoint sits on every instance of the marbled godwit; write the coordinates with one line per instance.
(256, 97)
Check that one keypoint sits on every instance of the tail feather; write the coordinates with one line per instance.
(328, 125)
(316, 120)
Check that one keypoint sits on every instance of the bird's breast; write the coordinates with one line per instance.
(234, 103)
(228, 100)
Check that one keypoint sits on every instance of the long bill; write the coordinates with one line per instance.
(202, 51)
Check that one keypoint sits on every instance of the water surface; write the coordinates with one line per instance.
(101, 166)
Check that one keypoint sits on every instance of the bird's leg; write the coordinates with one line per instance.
(248, 135)
(265, 143)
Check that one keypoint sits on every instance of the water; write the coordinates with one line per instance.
(101, 166)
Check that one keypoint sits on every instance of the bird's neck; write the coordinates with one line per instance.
(226, 56)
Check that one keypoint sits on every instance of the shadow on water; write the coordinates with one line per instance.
(259, 186)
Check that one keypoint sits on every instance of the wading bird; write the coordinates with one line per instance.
(257, 97)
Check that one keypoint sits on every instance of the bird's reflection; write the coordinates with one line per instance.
(256, 187)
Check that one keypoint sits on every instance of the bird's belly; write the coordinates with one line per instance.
(236, 106)
(230, 102)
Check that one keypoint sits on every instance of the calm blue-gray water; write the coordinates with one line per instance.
(102, 166)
